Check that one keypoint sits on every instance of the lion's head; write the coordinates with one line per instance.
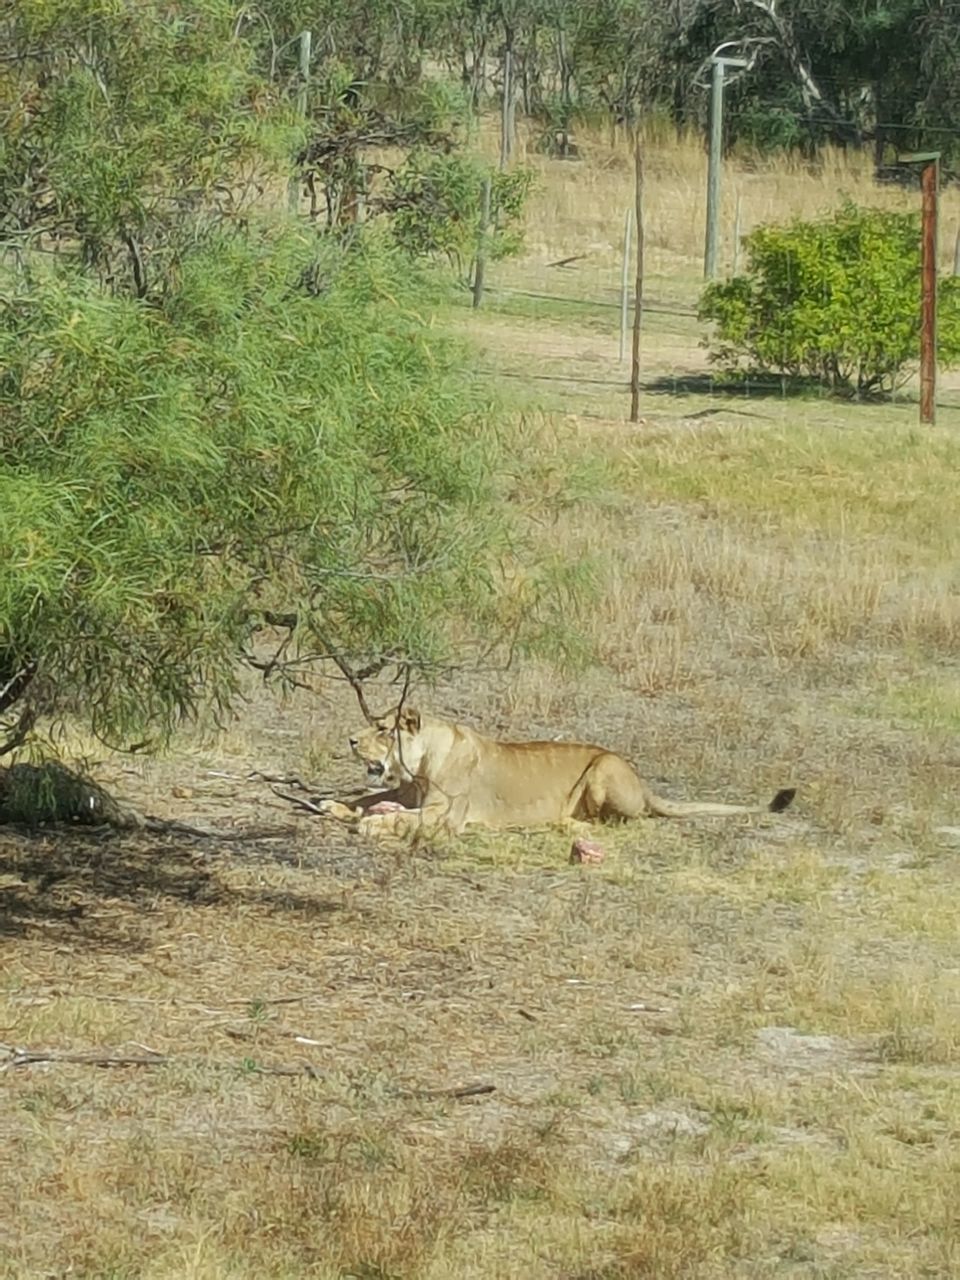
(391, 748)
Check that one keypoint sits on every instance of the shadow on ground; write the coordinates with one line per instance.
(745, 388)
(78, 887)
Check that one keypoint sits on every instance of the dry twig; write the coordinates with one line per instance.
(16, 1057)
(299, 802)
(164, 826)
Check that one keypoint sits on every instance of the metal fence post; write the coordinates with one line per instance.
(306, 39)
(506, 115)
(638, 291)
(481, 260)
(715, 162)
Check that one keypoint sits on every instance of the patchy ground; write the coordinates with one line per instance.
(731, 1049)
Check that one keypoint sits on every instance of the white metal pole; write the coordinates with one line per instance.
(306, 39)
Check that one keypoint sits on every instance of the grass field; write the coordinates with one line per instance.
(732, 1049)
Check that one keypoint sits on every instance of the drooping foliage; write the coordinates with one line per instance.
(220, 425)
(281, 434)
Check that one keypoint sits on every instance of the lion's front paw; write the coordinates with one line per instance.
(334, 809)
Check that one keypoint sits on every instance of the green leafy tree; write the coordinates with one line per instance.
(252, 449)
(223, 437)
(841, 71)
(836, 300)
(619, 51)
(436, 205)
(131, 130)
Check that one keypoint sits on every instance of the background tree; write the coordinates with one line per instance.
(827, 70)
(120, 130)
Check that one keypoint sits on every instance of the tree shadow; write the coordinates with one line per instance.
(98, 889)
(741, 388)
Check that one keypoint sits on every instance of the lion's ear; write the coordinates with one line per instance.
(410, 720)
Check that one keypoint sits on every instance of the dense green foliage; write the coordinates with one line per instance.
(843, 71)
(169, 474)
(836, 300)
(225, 434)
(438, 207)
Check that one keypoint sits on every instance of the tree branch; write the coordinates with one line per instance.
(16, 686)
(811, 91)
(136, 261)
(20, 732)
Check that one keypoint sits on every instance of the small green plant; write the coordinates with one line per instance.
(258, 1012)
(313, 1145)
(834, 300)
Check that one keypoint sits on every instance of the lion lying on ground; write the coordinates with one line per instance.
(443, 775)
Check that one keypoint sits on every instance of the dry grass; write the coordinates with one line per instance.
(730, 1050)
(578, 207)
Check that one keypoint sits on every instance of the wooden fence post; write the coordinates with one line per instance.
(638, 293)
(624, 274)
(930, 181)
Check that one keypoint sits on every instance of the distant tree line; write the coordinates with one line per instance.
(880, 73)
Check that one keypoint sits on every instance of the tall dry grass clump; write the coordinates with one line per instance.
(578, 205)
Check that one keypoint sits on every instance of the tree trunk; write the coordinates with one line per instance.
(563, 64)
(812, 93)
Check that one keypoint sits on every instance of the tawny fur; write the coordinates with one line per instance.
(449, 776)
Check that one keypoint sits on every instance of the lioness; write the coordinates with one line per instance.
(446, 775)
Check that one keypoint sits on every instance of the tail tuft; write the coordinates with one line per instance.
(782, 800)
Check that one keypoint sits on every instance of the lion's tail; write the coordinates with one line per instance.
(662, 808)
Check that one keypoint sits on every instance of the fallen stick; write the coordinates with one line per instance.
(165, 826)
(56, 993)
(299, 802)
(29, 1057)
(565, 262)
(32, 1057)
(464, 1091)
(286, 780)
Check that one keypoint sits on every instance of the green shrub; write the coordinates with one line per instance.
(436, 202)
(836, 300)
